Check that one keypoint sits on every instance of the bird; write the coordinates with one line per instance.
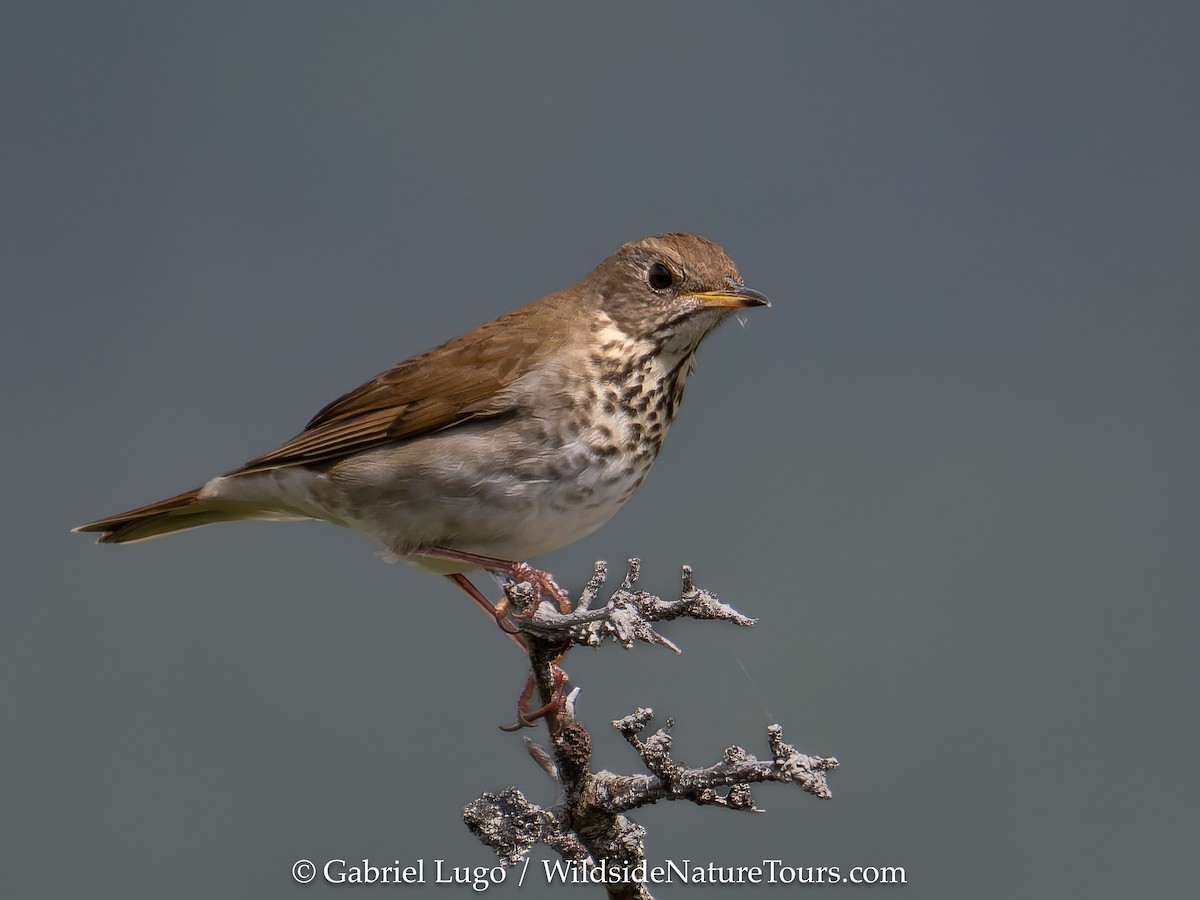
(514, 439)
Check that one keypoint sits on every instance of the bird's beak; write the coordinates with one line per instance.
(737, 297)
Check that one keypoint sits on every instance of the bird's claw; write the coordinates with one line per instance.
(527, 718)
(540, 581)
(501, 614)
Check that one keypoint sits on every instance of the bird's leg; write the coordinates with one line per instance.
(527, 718)
(519, 571)
(523, 721)
(497, 611)
(539, 579)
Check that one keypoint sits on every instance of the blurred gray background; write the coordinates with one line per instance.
(953, 470)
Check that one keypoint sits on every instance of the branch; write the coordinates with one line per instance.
(626, 618)
(587, 826)
(736, 771)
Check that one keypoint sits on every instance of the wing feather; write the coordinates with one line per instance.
(463, 379)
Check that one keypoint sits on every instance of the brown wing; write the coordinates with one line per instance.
(460, 380)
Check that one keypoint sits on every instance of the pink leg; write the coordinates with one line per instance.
(518, 570)
(495, 611)
(552, 708)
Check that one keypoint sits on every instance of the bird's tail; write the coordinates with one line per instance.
(179, 513)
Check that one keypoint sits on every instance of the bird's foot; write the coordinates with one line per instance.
(498, 611)
(541, 582)
(527, 718)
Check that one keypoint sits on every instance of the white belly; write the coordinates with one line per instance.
(409, 496)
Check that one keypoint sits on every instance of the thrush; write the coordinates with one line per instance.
(512, 440)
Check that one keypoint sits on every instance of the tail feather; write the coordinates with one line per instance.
(185, 511)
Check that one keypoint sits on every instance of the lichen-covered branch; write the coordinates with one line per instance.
(626, 618)
(735, 773)
(511, 825)
(587, 825)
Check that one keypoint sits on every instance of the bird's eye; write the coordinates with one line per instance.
(660, 277)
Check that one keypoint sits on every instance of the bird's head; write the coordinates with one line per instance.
(671, 289)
